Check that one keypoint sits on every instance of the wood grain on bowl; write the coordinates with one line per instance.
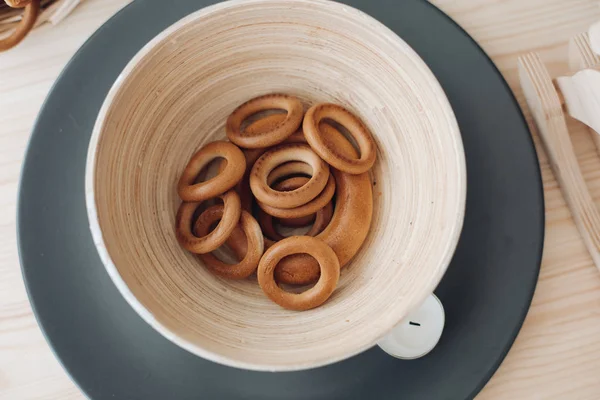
(175, 96)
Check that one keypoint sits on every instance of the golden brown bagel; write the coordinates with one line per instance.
(304, 210)
(311, 298)
(349, 225)
(277, 133)
(212, 241)
(231, 173)
(253, 240)
(280, 155)
(330, 152)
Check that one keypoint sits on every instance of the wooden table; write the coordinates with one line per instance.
(557, 354)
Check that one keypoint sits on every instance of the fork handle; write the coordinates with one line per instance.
(545, 105)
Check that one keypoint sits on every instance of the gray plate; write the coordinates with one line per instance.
(112, 354)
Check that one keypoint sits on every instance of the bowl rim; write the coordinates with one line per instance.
(144, 313)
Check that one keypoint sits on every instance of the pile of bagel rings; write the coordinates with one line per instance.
(295, 168)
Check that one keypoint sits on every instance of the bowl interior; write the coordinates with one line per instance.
(175, 96)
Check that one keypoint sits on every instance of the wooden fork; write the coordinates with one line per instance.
(577, 95)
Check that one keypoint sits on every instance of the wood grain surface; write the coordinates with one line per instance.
(557, 353)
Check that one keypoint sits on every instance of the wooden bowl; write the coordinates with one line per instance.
(175, 96)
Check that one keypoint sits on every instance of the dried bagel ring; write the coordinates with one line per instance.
(252, 236)
(263, 125)
(321, 219)
(232, 172)
(251, 155)
(300, 168)
(268, 227)
(243, 189)
(298, 222)
(212, 241)
(306, 209)
(330, 153)
(277, 134)
(269, 122)
(267, 224)
(280, 155)
(349, 225)
(243, 186)
(286, 186)
(311, 298)
(32, 9)
(297, 168)
(316, 218)
(237, 241)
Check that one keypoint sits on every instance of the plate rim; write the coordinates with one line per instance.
(35, 131)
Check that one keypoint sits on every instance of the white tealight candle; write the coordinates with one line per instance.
(418, 333)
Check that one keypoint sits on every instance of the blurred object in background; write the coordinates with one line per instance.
(19, 17)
